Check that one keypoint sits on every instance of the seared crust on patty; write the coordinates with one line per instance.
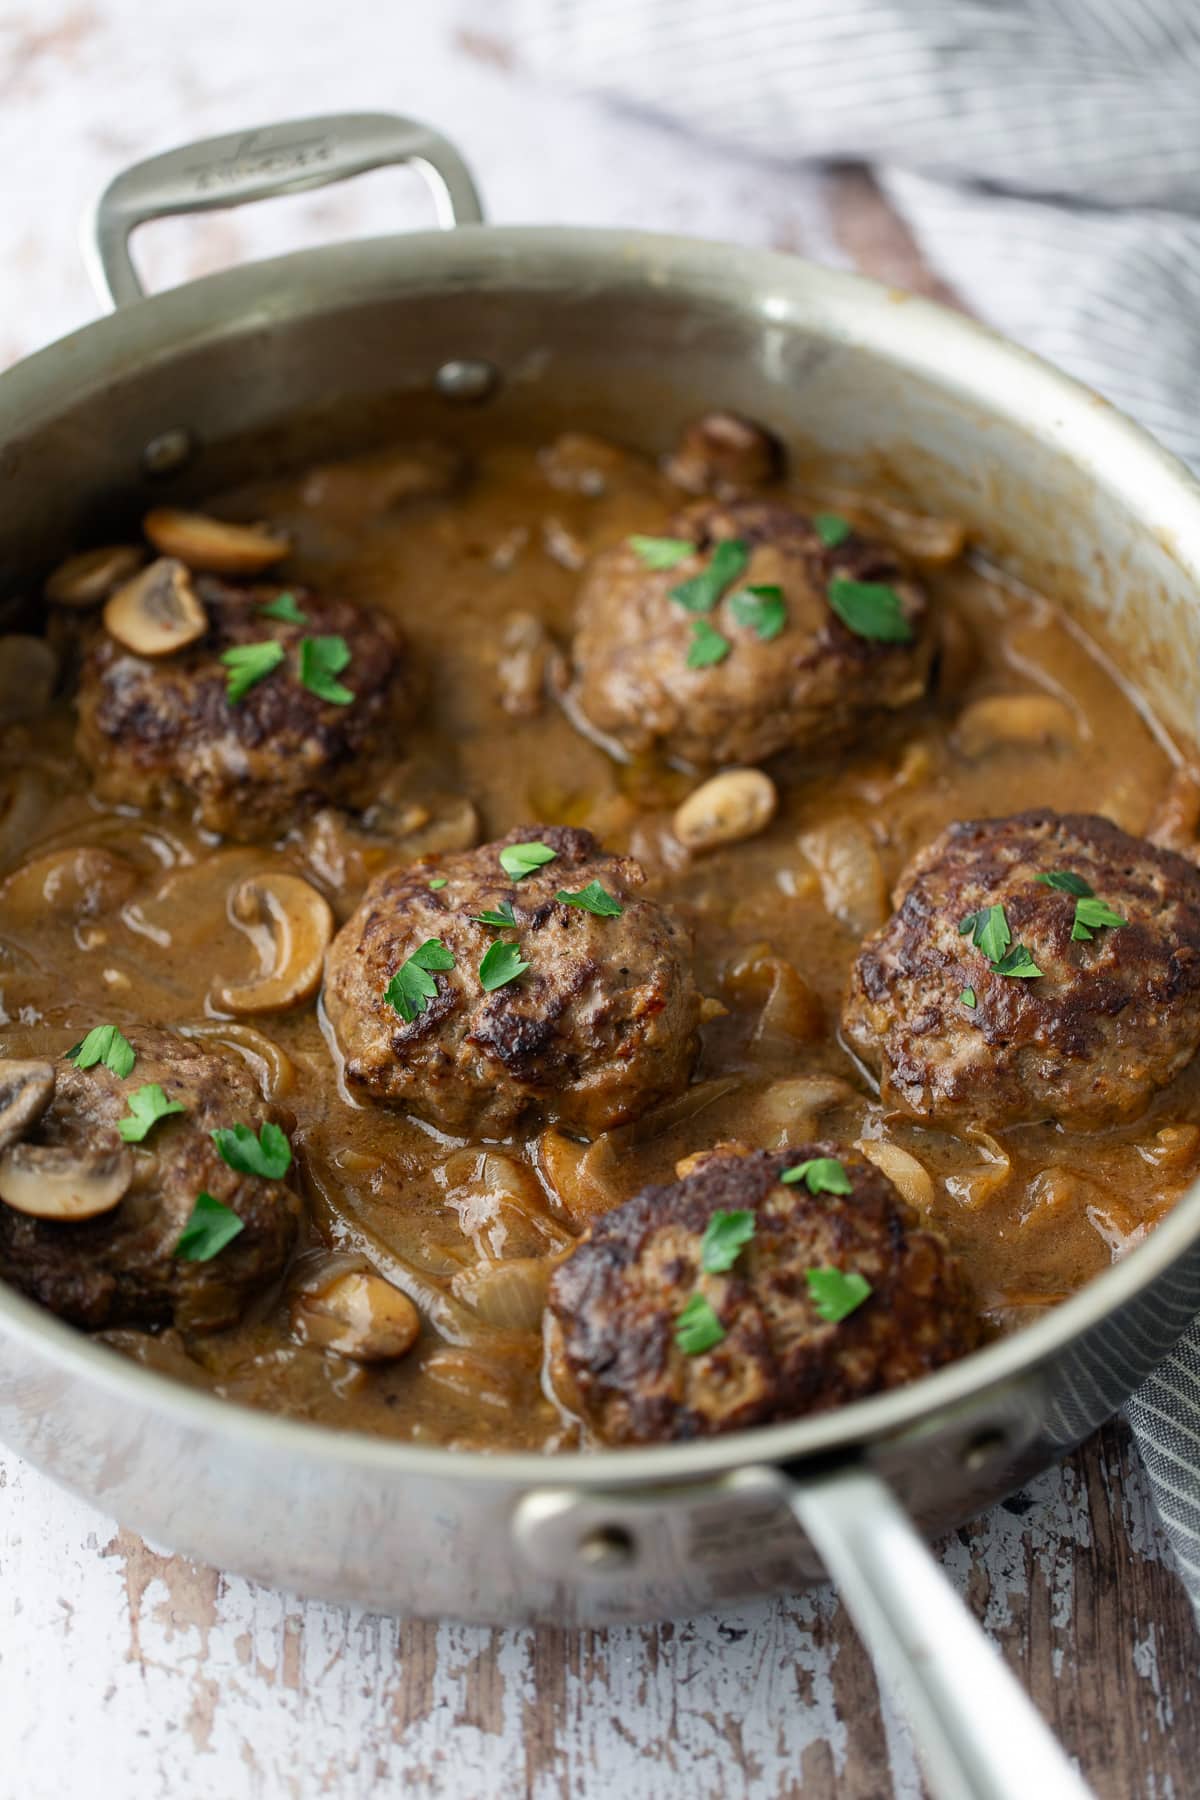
(121, 1268)
(600, 1027)
(811, 687)
(615, 1302)
(1109, 1020)
(162, 732)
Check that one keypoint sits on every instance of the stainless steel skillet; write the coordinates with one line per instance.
(630, 332)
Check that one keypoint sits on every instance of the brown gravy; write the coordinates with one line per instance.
(466, 1228)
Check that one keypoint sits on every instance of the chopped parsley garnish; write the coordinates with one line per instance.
(708, 645)
(698, 1328)
(1067, 883)
(209, 1229)
(820, 1175)
(284, 607)
(439, 881)
(968, 997)
(520, 860)
(1018, 961)
(502, 915)
(725, 1237)
(147, 1105)
(322, 659)
(870, 609)
(762, 609)
(594, 899)
(412, 987)
(501, 964)
(269, 1155)
(832, 529)
(701, 593)
(104, 1044)
(834, 1295)
(988, 930)
(248, 664)
(1091, 916)
(660, 552)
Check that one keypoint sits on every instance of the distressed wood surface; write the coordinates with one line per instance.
(135, 1673)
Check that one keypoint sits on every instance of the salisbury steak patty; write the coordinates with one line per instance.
(600, 1026)
(803, 679)
(1111, 1016)
(615, 1303)
(163, 732)
(120, 1268)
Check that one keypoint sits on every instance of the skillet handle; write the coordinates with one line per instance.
(976, 1731)
(259, 165)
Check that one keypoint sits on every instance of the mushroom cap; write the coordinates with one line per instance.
(297, 923)
(26, 1090)
(216, 546)
(64, 1181)
(157, 612)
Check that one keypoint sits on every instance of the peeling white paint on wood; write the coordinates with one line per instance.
(128, 1673)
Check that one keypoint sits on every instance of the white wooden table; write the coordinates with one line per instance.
(128, 1673)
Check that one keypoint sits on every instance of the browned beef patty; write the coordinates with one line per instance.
(598, 1028)
(616, 1301)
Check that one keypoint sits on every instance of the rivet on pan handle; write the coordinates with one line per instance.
(261, 164)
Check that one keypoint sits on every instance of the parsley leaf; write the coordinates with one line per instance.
(763, 609)
(1019, 961)
(1091, 915)
(520, 860)
(698, 1328)
(439, 881)
(209, 1229)
(104, 1044)
(988, 929)
(284, 607)
(820, 1175)
(503, 915)
(321, 660)
(701, 593)
(832, 529)
(594, 899)
(501, 964)
(249, 664)
(412, 987)
(660, 552)
(708, 645)
(269, 1155)
(725, 1237)
(1067, 883)
(968, 997)
(147, 1105)
(834, 1295)
(870, 609)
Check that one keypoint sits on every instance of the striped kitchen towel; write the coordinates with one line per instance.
(1046, 154)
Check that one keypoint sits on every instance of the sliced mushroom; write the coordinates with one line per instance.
(28, 672)
(293, 924)
(157, 612)
(736, 804)
(79, 882)
(1015, 722)
(724, 454)
(377, 481)
(64, 1181)
(89, 578)
(214, 545)
(26, 1090)
(358, 1314)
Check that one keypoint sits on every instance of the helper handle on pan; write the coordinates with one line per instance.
(259, 165)
(976, 1730)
